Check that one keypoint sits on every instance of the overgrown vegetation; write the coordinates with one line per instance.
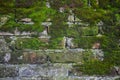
(30, 43)
(84, 36)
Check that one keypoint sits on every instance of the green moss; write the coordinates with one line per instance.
(94, 68)
(30, 43)
(65, 57)
(55, 43)
(86, 42)
(84, 36)
(90, 31)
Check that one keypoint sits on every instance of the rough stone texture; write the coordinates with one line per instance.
(53, 55)
(57, 71)
(35, 71)
(8, 71)
(4, 19)
(98, 54)
(3, 45)
(115, 70)
(27, 21)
